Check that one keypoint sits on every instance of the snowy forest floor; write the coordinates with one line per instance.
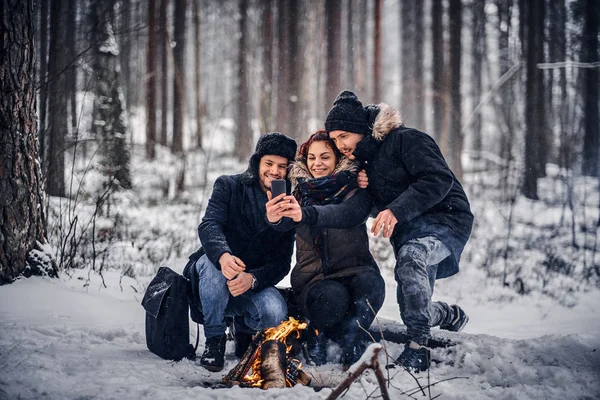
(529, 281)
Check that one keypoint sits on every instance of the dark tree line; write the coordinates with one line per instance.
(512, 79)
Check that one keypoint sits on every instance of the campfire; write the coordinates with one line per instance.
(268, 362)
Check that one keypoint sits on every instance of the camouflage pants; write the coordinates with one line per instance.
(416, 268)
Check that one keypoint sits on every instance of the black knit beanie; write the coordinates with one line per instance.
(348, 114)
(276, 144)
(273, 143)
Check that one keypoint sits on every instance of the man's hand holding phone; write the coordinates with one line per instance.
(231, 266)
(283, 206)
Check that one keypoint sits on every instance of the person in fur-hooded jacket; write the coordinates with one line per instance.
(422, 208)
(336, 281)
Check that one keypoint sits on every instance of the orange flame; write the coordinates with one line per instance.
(280, 333)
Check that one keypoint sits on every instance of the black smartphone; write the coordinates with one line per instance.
(278, 186)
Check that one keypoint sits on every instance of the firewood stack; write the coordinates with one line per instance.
(267, 357)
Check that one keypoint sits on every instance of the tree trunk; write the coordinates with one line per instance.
(198, 81)
(296, 100)
(43, 74)
(283, 67)
(165, 53)
(534, 96)
(179, 76)
(455, 137)
(408, 61)
(419, 87)
(377, 51)
(437, 79)
(266, 114)
(125, 36)
(333, 26)
(479, 52)
(57, 108)
(591, 123)
(107, 118)
(151, 82)
(243, 148)
(350, 53)
(22, 219)
(72, 71)
(361, 72)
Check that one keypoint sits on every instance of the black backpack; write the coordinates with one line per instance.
(166, 302)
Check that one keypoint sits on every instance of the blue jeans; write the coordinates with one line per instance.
(415, 272)
(253, 311)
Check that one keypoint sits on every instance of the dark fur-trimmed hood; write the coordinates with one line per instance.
(300, 169)
(386, 120)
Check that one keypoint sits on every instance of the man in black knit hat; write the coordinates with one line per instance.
(421, 206)
(242, 257)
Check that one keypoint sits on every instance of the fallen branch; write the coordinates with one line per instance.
(368, 360)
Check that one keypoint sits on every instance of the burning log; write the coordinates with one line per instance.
(273, 364)
(237, 374)
(295, 375)
(269, 359)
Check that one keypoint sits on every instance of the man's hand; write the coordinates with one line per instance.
(362, 179)
(386, 221)
(240, 284)
(273, 209)
(287, 207)
(231, 266)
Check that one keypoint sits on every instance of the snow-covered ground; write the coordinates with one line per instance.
(82, 336)
(75, 339)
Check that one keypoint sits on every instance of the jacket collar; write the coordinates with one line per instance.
(384, 120)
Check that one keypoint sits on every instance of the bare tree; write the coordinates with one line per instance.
(455, 137)
(534, 98)
(108, 121)
(350, 53)
(377, 51)
(151, 82)
(43, 74)
(437, 79)
(479, 52)
(243, 145)
(591, 117)
(361, 70)
(266, 96)
(198, 80)
(57, 108)
(22, 219)
(333, 27)
(289, 77)
(179, 76)
(408, 61)
(164, 52)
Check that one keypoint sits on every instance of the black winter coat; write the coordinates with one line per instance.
(409, 176)
(235, 222)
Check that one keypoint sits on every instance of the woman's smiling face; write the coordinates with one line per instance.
(320, 160)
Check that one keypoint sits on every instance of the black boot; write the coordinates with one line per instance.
(352, 351)
(213, 358)
(316, 347)
(414, 358)
(242, 342)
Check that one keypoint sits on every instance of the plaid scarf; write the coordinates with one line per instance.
(330, 189)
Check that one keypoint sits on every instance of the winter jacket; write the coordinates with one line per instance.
(409, 176)
(347, 249)
(235, 222)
